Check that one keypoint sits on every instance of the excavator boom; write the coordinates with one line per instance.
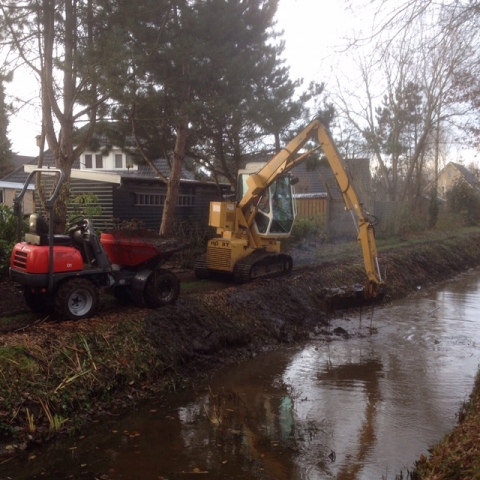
(249, 232)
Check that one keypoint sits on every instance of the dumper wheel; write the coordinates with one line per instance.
(38, 302)
(75, 299)
(162, 289)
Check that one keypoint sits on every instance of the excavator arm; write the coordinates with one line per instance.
(287, 158)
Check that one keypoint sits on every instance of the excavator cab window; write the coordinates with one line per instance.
(282, 206)
(275, 209)
(242, 186)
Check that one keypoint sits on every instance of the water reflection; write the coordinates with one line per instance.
(357, 409)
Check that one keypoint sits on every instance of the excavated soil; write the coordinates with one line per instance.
(123, 354)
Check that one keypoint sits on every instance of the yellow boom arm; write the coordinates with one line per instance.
(286, 159)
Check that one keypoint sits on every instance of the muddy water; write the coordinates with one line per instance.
(361, 408)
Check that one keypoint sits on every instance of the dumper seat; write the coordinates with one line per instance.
(38, 232)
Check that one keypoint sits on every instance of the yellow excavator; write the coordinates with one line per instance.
(249, 229)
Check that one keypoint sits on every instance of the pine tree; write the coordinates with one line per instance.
(73, 48)
(214, 87)
(6, 164)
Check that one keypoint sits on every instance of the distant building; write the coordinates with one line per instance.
(449, 176)
(21, 160)
(8, 191)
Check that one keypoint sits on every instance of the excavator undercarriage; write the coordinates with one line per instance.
(251, 267)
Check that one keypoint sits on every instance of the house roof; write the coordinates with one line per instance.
(144, 172)
(309, 180)
(466, 174)
(21, 160)
(14, 185)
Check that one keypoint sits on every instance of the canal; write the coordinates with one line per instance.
(361, 403)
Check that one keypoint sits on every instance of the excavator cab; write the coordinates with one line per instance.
(275, 206)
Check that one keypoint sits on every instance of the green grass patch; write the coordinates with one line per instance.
(15, 359)
(22, 318)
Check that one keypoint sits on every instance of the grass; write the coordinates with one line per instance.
(20, 318)
(16, 359)
(344, 249)
(46, 375)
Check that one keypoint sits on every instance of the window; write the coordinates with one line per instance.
(185, 201)
(98, 161)
(152, 199)
(129, 162)
(1, 196)
(118, 160)
(88, 161)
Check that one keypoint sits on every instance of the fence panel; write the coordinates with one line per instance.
(315, 208)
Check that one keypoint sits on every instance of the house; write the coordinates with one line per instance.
(317, 194)
(126, 191)
(9, 188)
(449, 176)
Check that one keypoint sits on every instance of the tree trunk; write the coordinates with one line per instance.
(173, 184)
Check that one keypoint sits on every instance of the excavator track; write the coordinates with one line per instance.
(256, 265)
(262, 265)
(200, 267)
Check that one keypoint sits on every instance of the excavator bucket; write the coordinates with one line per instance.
(348, 297)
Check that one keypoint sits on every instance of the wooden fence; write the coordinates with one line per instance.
(315, 208)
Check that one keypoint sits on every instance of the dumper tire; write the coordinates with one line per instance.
(162, 288)
(76, 298)
(38, 302)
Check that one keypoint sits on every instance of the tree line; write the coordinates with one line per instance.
(159, 78)
(415, 96)
(205, 79)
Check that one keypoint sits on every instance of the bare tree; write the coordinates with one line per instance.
(406, 94)
(70, 50)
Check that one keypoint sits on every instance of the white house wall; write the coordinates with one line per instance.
(108, 161)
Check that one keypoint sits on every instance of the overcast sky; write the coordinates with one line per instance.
(314, 32)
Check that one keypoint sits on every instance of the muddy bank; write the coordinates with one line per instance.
(457, 456)
(54, 376)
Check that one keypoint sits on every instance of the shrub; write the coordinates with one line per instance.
(307, 230)
(408, 222)
(195, 236)
(8, 235)
(84, 204)
(464, 200)
(133, 224)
